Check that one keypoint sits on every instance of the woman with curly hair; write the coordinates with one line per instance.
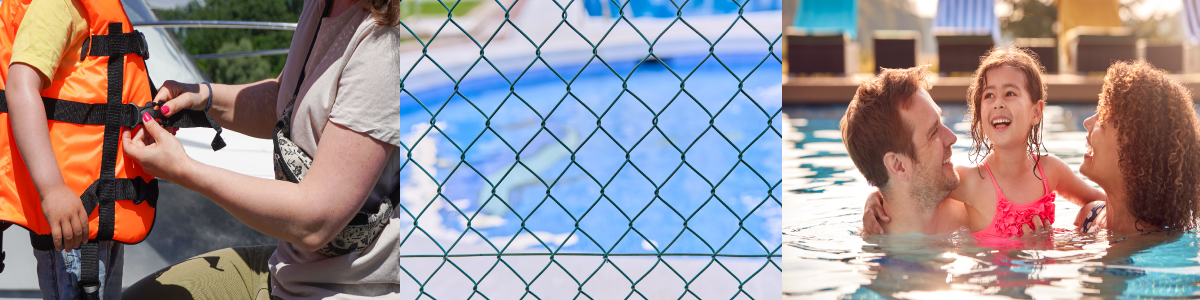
(1144, 150)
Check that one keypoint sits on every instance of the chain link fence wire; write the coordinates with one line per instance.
(592, 149)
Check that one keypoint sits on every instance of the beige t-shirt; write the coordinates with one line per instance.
(352, 79)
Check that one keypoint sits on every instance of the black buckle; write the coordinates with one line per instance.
(3, 225)
(143, 50)
(150, 107)
(91, 291)
(142, 190)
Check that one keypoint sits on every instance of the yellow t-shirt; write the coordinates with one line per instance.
(50, 37)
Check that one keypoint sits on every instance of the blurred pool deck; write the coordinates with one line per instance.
(1064, 88)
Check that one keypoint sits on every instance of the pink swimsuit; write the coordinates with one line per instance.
(1010, 216)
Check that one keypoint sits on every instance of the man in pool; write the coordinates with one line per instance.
(894, 134)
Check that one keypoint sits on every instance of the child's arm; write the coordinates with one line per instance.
(1069, 186)
(874, 216)
(64, 211)
(965, 191)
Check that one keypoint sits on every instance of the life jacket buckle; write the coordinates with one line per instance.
(149, 107)
(139, 187)
(143, 50)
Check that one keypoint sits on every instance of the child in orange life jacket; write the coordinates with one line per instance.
(51, 35)
(1015, 185)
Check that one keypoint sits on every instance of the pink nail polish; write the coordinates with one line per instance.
(166, 109)
(146, 117)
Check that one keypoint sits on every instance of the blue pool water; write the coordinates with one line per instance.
(669, 8)
(629, 166)
(825, 258)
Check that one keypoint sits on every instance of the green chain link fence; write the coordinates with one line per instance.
(483, 260)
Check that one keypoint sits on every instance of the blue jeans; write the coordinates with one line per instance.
(58, 271)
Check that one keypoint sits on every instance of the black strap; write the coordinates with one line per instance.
(313, 43)
(89, 269)
(41, 242)
(136, 189)
(128, 115)
(189, 118)
(3, 225)
(102, 45)
(89, 279)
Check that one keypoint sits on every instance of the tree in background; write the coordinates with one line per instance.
(1156, 26)
(240, 69)
(1039, 18)
(210, 40)
(1029, 18)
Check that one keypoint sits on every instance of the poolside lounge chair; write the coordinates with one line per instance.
(965, 30)
(1191, 37)
(821, 41)
(1046, 50)
(1092, 36)
(1093, 49)
(896, 49)
(1166, 56)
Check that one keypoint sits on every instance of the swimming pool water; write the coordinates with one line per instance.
(825, 258)
(623, 151)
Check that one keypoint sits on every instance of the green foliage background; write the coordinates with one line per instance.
(250, 69)
(210, 40)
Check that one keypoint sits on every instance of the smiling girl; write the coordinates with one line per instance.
(1015, 184)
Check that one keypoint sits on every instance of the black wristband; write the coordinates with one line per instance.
(209, 105)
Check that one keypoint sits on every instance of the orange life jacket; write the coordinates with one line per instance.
(119, 196)
(104, 94)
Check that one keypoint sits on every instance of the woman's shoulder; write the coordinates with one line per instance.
(374, 46)
(375, 34)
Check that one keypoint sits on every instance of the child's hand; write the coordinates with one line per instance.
(67, 217)
(176, 96)
(873, 214)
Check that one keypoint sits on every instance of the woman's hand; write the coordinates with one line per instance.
(176, 96)
(156, 149)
